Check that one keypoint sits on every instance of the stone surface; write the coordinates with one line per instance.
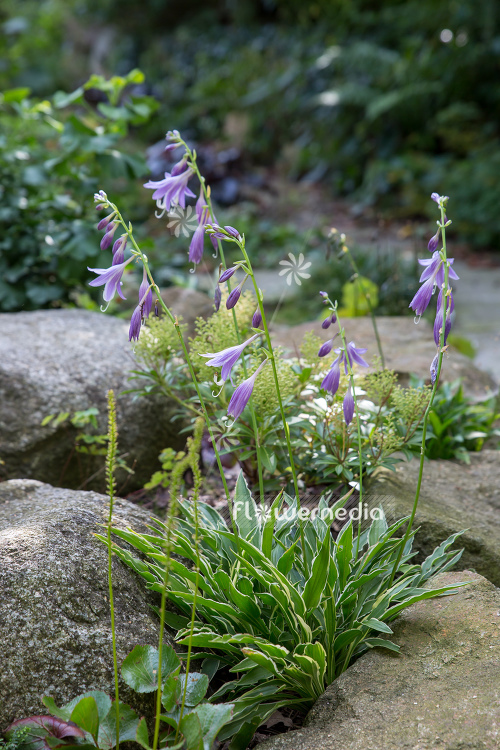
(54, 607)
(408, 348)
(442, 692)
(188, 304)
(54, 361)
(454, 497)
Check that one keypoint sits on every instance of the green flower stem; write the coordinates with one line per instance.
(431, 400)
(208, 199)
(175, 322)
(110, 471)
(194, 462)
(368, 302)
(278, 391)
(275, 370)
(358, 424)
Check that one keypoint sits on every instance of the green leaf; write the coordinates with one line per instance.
(375, 624)
(261, 660)
(86, 716)
(269, 460)
(140, 668)
(315, 585)
(102, 700)
(381, 643)
(245, 511)
(267, 532)
(141, 735)
(129, 723)
(190, 727)
(197, 686)
(212, 718)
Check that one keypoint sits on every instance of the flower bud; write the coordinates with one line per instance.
(233, 297)
(326, 323)
(103, 224)
(326, 348)
(434, 242)
(433, 369)
(225, 275)
(232, 231)
(257, 318)
(217, 297)
(107, 240)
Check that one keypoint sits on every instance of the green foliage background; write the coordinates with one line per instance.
(365, 95)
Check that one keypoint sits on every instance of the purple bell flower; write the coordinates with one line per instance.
(227, 358)
(435, 197)
(432, 276)
(111, 278)
(332, 379)
(196, 245)
(242, 394)
(173, 189)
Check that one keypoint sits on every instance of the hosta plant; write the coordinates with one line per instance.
(285, 624)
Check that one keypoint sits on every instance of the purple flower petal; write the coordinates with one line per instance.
(242, 394)
(332, 379)
(227, 358)
(135, 324)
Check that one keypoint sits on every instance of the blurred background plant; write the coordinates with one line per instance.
(53, 153)
(384, 102)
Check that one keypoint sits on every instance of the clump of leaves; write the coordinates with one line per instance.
(459, 427)
(89, 720)
(286, 620)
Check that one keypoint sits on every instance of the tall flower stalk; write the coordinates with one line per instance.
(111, 487)
(205, 211)
(102, 199)
(444, 270)
(347, 354)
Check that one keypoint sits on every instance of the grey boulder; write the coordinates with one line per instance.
(54, 361)
(442, 692)
(54, 606)
(454, 497)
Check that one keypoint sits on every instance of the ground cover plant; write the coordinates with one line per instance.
(272, 604)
